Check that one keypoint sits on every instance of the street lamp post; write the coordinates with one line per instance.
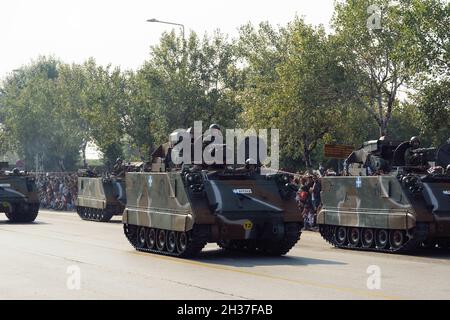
(167, 22)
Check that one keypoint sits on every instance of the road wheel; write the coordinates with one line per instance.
(85, 212)
(131, 232)
(161, 240)
(443, 243)
(382, 238)
(151, 238)
(341, 235)
(429, 244)
(172, 241)
(354, 237)
(328, 232)
(368, 238)
(23, 215)
(250, 246)
(397, 238)
(141, 237)
(182, 242)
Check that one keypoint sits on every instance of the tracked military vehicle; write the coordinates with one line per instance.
(19, 198)
(177, 209)
(395, 197)
(100, 197)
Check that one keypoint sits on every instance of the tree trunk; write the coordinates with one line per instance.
(384, 126)
(83, 150)
(307, 157)
(380, 113)
(308, 161)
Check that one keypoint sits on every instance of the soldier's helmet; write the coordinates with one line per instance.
(321, 169)
(214, 126)
(251, 164)
(415, 142)
(118, 160)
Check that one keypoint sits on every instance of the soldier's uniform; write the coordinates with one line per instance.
(414, 143)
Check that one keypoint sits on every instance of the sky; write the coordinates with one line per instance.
(115, 31)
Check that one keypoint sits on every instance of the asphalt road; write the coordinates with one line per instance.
(62, 257)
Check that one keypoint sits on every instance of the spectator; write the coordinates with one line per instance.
(315, 196)
(57, 191)
(308, 199)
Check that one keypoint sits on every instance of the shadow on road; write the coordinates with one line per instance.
(428, 253)
(35, 223)
(241, 259)
(432, 253)
(115, 221)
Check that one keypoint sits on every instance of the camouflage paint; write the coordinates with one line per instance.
(99, 192)
(368, 202)
(17, 190)
(157, 200)
(163, 201)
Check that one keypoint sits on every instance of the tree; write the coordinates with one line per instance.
(373, 36)
(73, 89)
(433, 104)
(144, 123)
(192, 80)
(32, 118)
(104, 108)
(427, 35)
(428, 23)
(294, 83)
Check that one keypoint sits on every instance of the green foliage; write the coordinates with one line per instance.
(315, 87)
(295, 84)
(428, 23)
(194, 80)
(427, 41)
(33, 122)
(434, 111)
(374, 55)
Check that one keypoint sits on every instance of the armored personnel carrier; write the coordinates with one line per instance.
(100, 197)
(177, 209)
(395, 197)
(19, 198)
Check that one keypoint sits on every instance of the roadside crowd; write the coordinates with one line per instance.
(57, 191)
(308, 195)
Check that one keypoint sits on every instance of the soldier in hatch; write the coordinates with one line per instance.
(410, 157)
(118, 168)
